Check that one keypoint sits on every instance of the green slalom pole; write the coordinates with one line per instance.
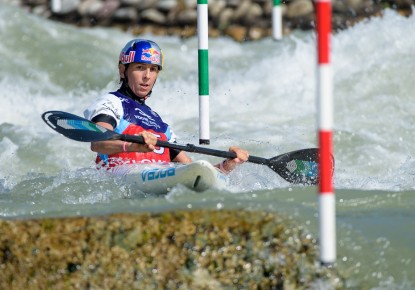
(203, 63)
(277, 20)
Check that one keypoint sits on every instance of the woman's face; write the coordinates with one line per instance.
(141, 77)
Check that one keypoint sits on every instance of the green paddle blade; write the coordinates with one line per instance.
(76, 128)
(300, 167)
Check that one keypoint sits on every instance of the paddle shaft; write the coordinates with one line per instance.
(299, 167)
(190, 148)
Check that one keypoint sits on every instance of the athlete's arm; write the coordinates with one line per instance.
(117, 146)
(182, 157)
(228, 165)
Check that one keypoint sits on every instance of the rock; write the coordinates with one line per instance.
(190, 4)
(352, 7)
(185, 32)
(126, 14)
(41, 11)
(188, 31)
(180, 250)
(225, 18)
(237, 32)
(146, 4)
(299, 8)
(166, 5)
(134, 3)
(256, 33)
(172, 15)
(90, 7)
(233, 3)
(404, 4)
(64, 6)
(216, 7)
(242, 10)
(254, 13)
(405, 12)
(153, 15)
(187, 17)
(36, 2)
(14, 2)
(108, 9)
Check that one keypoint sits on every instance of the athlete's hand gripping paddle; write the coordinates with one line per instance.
(299, 167)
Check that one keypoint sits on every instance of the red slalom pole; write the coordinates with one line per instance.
(327, 201)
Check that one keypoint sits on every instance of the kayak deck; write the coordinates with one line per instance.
(161, 178)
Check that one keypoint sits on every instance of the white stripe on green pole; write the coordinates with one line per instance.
(277, 20)
(203, 62)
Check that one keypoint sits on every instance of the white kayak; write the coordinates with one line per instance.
(161, 178)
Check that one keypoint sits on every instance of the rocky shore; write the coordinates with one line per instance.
(243, 20)
(180, 250)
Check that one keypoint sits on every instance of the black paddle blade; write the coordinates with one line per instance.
(300, 167)
(76, 128)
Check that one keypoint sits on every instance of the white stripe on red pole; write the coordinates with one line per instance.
(327, 203)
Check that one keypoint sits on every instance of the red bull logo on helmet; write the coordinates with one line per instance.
(150, 54)
(127, 58)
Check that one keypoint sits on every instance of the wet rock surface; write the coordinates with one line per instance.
(181, 250)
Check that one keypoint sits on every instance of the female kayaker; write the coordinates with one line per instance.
(125, 111)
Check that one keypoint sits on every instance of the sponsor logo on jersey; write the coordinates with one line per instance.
(146, 119)
(110, 107)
